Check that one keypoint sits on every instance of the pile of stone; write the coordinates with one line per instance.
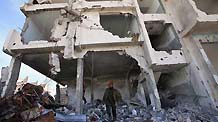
(138, 113)
(191, 112)
(30, 103)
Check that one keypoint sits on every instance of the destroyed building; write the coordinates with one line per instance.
(157, 44)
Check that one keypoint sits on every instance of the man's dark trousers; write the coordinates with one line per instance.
(109, 109)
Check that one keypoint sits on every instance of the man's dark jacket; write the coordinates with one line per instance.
(108, 97)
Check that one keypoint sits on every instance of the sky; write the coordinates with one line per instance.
(12, 18)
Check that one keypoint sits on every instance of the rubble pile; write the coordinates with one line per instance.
(186, 112)
(28, 104)
(136, 113)
(31, 103)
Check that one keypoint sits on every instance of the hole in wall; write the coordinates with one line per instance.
(109, 65)
(171, 87)
(123, 25)
(167, 98)
(39, 26)
(163, 37)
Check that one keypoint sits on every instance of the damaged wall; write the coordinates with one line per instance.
(38, 26)
(154, 38)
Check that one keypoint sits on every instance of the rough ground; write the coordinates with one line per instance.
(31, 104)
(133, 113)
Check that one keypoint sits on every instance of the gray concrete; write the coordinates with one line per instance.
(152, 91)
(4, 77)
(79, 86)
(13, 74)
(125, 37)
(58, 94)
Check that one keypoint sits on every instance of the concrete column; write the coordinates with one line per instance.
(152, 90)
(14, 70)
(71, 93)
(79, 85)
(141, 94)
(58, 94)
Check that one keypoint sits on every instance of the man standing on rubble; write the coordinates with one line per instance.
(109, 99)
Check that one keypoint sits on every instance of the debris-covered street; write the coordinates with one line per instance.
(181, 112)
(32, 105)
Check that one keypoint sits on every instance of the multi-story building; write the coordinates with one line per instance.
(172, 43)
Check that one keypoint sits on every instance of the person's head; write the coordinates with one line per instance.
(110, 84)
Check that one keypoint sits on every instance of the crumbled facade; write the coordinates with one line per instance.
(169, 44)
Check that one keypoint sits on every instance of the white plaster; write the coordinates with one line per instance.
(70, 40)
(174, 58)
(90, 31)
(28, 8)
(13, 39)
(157, 17)
(59, 28)
(54, 62)
(100, 4)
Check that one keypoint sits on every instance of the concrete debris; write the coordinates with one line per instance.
(59, 29)
(146, 47)
(186, 112)
(28, 104)
(31, 103)
(70, 118)
(54, 63)
(134, 112)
